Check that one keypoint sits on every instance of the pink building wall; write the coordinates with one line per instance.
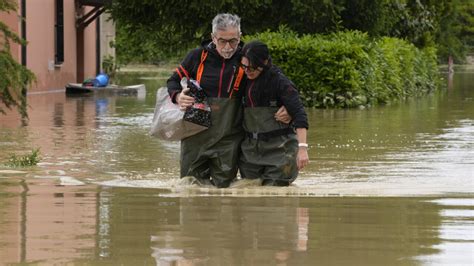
(40, 22)
(11, 20)
(90, 49)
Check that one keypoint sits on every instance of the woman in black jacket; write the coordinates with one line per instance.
(272, 151)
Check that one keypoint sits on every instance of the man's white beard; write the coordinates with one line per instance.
(227, 53)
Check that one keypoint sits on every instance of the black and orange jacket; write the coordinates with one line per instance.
(273, 89)
(219, 77)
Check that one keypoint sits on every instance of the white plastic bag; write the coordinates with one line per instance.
(168, 123)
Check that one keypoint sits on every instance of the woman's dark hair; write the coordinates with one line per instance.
(257, 53)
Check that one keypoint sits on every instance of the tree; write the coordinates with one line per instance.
(14, 78)
(463, 29)
(149, 31)
(373, 17)
(453, 23)
(466, 20)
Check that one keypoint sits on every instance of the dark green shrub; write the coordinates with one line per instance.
(347, 69)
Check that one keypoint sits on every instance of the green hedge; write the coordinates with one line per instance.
(347, 69)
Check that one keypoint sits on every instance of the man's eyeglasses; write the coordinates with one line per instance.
(232, 42)
(248, 68)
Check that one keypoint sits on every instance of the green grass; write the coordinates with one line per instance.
(24, 160)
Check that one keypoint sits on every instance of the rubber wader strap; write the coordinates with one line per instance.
(201, 66)
(183, 70)
(179, 73)
(237, 81)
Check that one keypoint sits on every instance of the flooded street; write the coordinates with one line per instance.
(388, 185)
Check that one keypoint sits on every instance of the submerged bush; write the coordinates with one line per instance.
(24, 160)
(347, 69)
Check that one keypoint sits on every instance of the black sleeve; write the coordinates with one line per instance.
(291, 100)
(185, 68)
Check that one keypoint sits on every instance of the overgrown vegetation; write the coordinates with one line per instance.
(348, 69)
(110, 67)
(455, 36)
(14, 77)
(24, 160)
(152, 31)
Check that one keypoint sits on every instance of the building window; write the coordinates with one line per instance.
(59, 33)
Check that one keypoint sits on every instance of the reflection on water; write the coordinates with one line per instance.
(134, 226)
(89, 200)
(41, 224)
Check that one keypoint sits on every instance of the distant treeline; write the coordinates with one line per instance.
(152, 31)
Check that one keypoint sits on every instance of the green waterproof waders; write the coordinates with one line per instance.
(211, 156)
(269, 150)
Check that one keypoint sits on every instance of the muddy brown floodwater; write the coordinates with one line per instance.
(388, 185)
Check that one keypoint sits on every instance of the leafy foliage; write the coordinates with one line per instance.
(456, 30)
(14, 78)
(348, 69)
(368, 16)
(412, 21)
(466, 23)
(150, 31)
(25, 160)
(109, 66)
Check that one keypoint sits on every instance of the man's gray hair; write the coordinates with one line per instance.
(224, 20)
